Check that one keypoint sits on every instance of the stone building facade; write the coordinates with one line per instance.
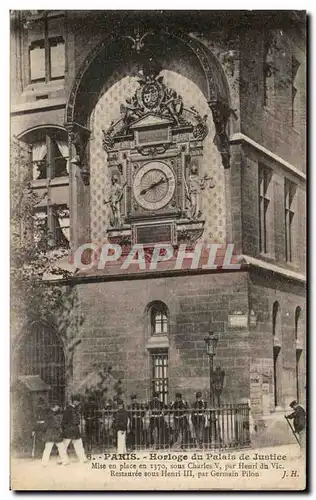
(212, 107)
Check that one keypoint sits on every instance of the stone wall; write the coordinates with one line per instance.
(115, 331)
(271, 124)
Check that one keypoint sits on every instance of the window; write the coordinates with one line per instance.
(289, 216)
(57, 58)
(264, 207)
(298, 353)
(159, 322)
(277, 367)
(37, 61)
(56, 165)
(159, 319)
(159, 381)
(47, 54)
(294, 110)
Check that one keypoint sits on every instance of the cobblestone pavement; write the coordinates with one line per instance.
(157, 470)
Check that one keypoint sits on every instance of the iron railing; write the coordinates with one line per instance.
(219, 428)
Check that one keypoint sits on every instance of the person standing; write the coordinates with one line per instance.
(157, 424)
(120, 425)
(39, 427)
(53, 435)
(180, 409)
(299, 421)
(198, 418)
(136, 414)
(71, 428)
(91, 415)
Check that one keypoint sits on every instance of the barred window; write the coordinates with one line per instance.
(159, 381)
(41, 353)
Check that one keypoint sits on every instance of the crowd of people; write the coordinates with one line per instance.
(116, 424)
(134, 426)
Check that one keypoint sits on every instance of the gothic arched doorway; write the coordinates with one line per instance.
(40, 352)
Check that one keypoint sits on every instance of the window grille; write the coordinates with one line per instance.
(159, 382)
(41, 353)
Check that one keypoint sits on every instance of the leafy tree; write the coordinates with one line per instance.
(34, 296)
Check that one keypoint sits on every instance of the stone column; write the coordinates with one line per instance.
(79, 181)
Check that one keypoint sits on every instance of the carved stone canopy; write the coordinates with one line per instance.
(78, 138)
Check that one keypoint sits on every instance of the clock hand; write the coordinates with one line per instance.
(157, 183)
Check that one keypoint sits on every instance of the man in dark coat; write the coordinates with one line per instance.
(198, 418)
(180, 412)
(157, 424)
(136, 415)
(299, 422)
(71, 428)
(53, 435)
(120, 425)
(39, 426)
(91, 415)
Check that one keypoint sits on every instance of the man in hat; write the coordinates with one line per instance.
(120, 425)
(180, 410)
(53, 435)
(299, 422)
(136, 415)
(199, 418)
(157, 424)
(71, 428)
(91, 415)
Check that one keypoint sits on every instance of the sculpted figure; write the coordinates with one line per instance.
(115, 197)
(194, 186)
(108, 137)
(131, 110)
(173, 106)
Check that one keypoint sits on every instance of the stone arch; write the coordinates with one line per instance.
(43, 355)
(113, 58)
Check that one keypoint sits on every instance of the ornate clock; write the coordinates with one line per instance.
(153, 154)
(154, 185)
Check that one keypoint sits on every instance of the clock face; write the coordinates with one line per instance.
(154, 185)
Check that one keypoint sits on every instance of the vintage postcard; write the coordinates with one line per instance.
(158, 250)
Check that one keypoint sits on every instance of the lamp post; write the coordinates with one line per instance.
(210, 344)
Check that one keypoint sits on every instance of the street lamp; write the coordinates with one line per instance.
(210, 344)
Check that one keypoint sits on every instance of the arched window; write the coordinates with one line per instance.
(298, 353)
(159, 322)
(41, 352)
(277, 367)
